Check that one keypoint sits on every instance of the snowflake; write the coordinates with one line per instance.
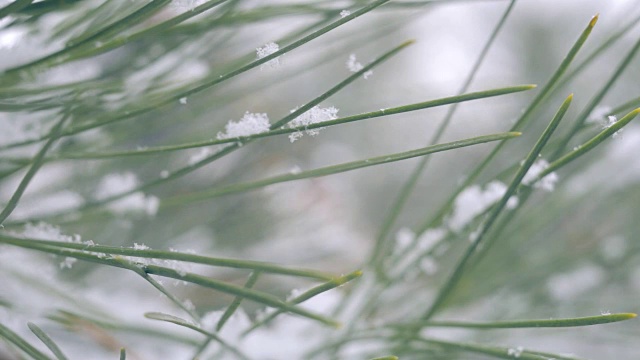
(313, 116)
(354, 66)
(249, 124)
(266, 50)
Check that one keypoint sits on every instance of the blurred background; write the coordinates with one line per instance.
(571, 252)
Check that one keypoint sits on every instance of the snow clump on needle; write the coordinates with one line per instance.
(547, 183)
(314, 115)
(354, 66)
(266, 50)
(249, 124)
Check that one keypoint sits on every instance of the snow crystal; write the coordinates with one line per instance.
(249, 124)
(568, 286)
(266, 50)
(314, 115)
(345, 13)
(610, 121)
(183, 101)
(164, 174)
(472, 201)
(354, 66)
(547, 183)
(600, 115)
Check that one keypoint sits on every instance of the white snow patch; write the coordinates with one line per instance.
(249, 124)
(266, 50)
(547, 183)
(515, 352)
(354, 66)
(313, 116)
(472, 201)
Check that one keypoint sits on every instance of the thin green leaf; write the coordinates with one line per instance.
(231, 148)
(35, 166)
(627, 106)
(159, 287)
(251, 281)
(47, 341)
(335, 169)
(497, 352)
(306, 296)
(153, 30)
(14, 7)
(73, 320)
(382, 240)
(170, 255)
(347, 119)
(589, 145)
(257, 296)
(113, 28)
(123, 354)
(461, 265)
(533, 323)
(21, 343)
(595, 100)
(181, 322)
(600, 50)
(545, 91)
(215, 80)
